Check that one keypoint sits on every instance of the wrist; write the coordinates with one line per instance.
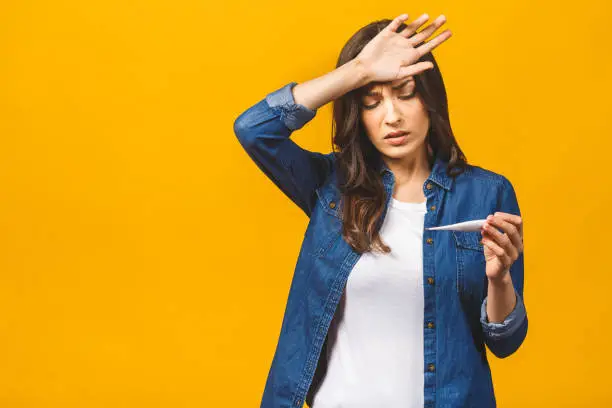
(505, 280)
(360, 72)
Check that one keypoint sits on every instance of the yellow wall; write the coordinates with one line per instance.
(145, 261)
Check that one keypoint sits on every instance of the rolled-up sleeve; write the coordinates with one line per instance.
(294, 115)
(509, 326)
(506, 337)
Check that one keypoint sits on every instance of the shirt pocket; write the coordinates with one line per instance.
(325, 226)
(471, 264)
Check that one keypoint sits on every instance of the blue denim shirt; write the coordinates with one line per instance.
(456, 369)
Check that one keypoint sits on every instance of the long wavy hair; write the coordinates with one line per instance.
(359, 178)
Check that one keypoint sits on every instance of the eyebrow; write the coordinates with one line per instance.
(370, 92)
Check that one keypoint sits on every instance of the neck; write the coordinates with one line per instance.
(410, 169)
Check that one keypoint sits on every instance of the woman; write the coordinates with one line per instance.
(381, 311)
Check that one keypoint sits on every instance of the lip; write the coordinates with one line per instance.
(395, 134)
(397, 141)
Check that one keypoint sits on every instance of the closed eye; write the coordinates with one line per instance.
(407, 96)
(402, 97)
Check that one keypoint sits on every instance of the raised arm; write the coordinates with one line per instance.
(264, 131)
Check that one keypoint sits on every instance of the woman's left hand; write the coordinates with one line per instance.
(501, 249)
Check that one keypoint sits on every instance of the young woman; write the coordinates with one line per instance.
(383, 312)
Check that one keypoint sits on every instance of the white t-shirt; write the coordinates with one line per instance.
(375, 344)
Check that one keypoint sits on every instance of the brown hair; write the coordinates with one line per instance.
(360, 180)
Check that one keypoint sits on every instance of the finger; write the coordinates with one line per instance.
(414, 69)
(397, 21)
(498, 251)
(434, 42)
(514, 219)
(508, 228)
(502, 240)
(412, 27)
(427, 31)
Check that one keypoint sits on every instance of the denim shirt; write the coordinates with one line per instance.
(456, 327)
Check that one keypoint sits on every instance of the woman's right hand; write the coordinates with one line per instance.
(392, 55)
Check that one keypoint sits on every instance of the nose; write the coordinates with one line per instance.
(392, 114)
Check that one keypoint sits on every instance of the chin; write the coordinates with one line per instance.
(399, 151)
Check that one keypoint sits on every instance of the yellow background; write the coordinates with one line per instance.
(145, 260)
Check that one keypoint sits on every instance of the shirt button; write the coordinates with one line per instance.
(431, 367)
(430, 281)
(432, 208)
(429, 241)
(428, 186)
(332, 205)
(430, 325)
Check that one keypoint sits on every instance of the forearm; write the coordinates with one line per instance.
(321, 90)
(501, 299)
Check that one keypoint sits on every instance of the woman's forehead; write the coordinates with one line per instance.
(395, 84)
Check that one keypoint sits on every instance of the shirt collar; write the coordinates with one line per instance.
(438, 172)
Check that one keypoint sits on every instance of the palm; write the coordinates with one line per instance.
(388, 58)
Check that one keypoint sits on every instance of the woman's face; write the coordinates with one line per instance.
(392, 107)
